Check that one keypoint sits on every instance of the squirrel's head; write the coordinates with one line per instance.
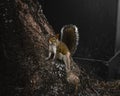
(54, 39)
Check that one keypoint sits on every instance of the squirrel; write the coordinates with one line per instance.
(64, 48)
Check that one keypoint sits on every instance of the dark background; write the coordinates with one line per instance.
(96, 20)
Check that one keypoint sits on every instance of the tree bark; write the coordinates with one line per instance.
(23, 45)
(24, 71)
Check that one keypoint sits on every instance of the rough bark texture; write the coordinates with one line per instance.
(24, 48)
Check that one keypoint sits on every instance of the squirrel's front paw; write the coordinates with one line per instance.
(47, 58)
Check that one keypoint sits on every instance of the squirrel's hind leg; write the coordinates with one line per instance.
(66, 60)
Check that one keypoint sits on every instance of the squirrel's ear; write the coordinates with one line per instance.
(57, 36)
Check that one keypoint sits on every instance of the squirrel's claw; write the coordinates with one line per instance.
(47, 58)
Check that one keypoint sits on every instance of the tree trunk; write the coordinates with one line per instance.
(23, 45)
(24, 71)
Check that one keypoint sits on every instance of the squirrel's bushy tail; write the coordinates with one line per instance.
(70, 36)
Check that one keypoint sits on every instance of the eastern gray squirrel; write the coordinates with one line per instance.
(64, 48)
